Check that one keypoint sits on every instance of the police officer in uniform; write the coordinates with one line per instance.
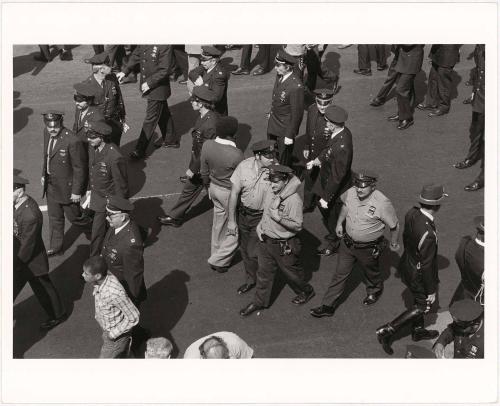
(279, 245)
(466, 331)
(470, 261)
(204, 129)
(443, 59)
(30, 259)
(107, 177)
(367, 212)
(317, 137)
(64, 176)
(123, 248)
(287, 107)
(334, 177)
(212, 75)
(390, 81)
(85, 110)
(476, 130)
(107, 95)
(418, 267)
(156, 62)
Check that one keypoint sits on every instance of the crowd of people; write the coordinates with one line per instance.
(257, 208)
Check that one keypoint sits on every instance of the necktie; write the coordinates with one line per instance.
(49, 151)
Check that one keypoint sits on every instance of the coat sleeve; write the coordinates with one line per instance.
(297, 111)
(133, 269)
(119, 173)
(428, 250)
(204, 169)
(134, 59)
(30, 233)
(309, 129)
(164, 67)
(338, 171)
(80, 166)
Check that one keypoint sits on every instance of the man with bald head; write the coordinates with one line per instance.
(221, 345)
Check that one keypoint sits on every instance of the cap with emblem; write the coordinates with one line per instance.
(324, 95)
(204, 93)
(98, 129)
(364, 178)
(19, 181)
(336, 114)
(416, 351)
(117, 204)
(52, 115)
(209, 51)
(479, 223)
(466, 310)
(432, 195)
(84, 89)
(226, 127)
(264, 146)
(99, 59)
(283, 57)
(279, 172)
(295, 49)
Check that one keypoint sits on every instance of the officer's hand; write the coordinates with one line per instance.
(339, 230)
(189, 173)
(323, 203)
(431, 298)
(306, 154)
(42, 180)
(395, 247)
(268, 115)
(275, 215)
(198, 81)
(232, 228)
(288, 141)
(75, 198)
(120, 76)
(144, 87)
(125, 127)
(208, 193)
(259, 233)
(309, 165)
(439, 350)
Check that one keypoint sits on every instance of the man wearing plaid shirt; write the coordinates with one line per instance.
(114, 311)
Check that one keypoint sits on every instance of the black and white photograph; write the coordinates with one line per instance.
(311, 208)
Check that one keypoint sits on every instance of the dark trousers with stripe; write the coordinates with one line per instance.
(157, 114)
(439, 87)
(405, 91)
(390, 81)
(190, 192)
(247, 223)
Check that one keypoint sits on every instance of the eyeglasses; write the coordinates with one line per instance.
(79, 98)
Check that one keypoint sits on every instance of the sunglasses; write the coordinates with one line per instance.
(79, 98)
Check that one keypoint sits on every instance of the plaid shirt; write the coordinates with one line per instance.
(114, 311)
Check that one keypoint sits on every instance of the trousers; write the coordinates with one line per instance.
(99, 228)
(390, 81)
(157, 113)
(190, 192)
(115, 348)
(439, 87)
(405, 91)
(247, 223)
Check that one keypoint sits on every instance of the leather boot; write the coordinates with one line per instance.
(420, 333)
(387, 331)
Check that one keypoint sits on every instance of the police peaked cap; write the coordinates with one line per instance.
(324, 94)
(84, 89)
(53, 115)
(283, 57)
(365, 178)
(117, 204)
(279, 172)
(336, 114)
(226, 126)
(211, 51)
(263, 146)
(466, 310)
(18, 180)
(204, 93)
(99, 127)
(99, 59)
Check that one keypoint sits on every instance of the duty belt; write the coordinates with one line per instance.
(361, 244)
(271, 240)
(247, 211)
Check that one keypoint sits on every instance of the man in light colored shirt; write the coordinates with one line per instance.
(223, 345)
(114, 311)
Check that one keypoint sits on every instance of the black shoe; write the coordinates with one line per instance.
(382, 67)
(394, 117)
(322, 311)
(426, 107)
(183, 178)
(365, 72)
(246, 287)
(384, 336)
(134, 155)
(251, 308)
(372, 298)
(169, 221)
(51, 252)
(159, 143)
(474, 186)
(50, 324)
(219, 269)
(466, 163)
(421, 333)
(240, 71)
(403, 125)
(66, 55)
(41, 58)
(437, 113)
(303, 297)
(377, 102)
(259, 71)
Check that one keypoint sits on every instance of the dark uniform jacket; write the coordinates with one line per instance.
(470, 261)
(107, 176)
(204, 129)
(287, 108)
(410, 58)
(317, 134)
(465, 345)
(156, 63)
(108, 97)
(68, 166)
(478, 91)
(29, 250)
(335, 172)
(123, 253)
(93, 113)
(446, 55)
(216, 80)
(418, 265)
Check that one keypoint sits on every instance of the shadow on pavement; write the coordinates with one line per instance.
(420, 85)
(29, 314)
(166, 303)
(145, 212)
(309, 258)
(27, 64)
(21, 116)
(332, 61)
(243, 136)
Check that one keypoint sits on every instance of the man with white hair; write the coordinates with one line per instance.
(223, 345)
